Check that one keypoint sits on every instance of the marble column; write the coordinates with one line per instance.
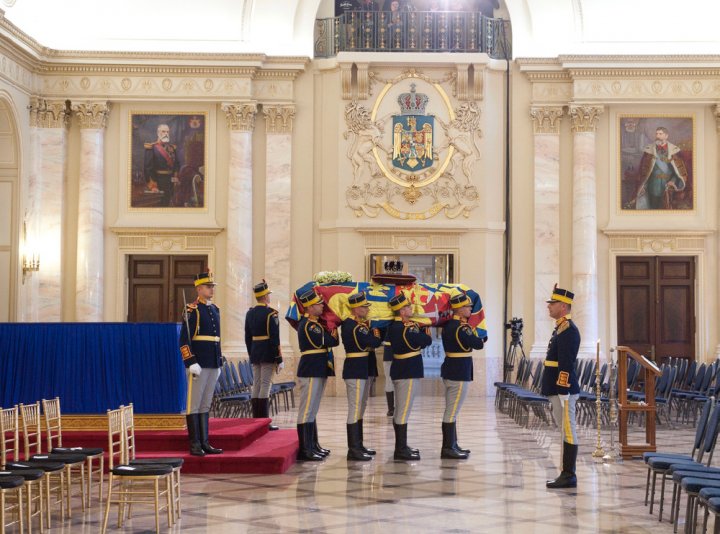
(278, 157)
(90, 245)
(43, 221)
(546, 178)
(241, 122)
(584, 121)
(716, 110)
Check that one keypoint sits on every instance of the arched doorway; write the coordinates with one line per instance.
(9, 217)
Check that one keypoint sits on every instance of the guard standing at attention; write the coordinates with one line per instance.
(459, 340)
(407, 339)
(202, 356)
(360, 341)
(315, 343)
(560, 383)
(262, 339)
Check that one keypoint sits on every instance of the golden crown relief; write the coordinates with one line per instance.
(412, 154)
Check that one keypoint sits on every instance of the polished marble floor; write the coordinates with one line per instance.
(501, 488)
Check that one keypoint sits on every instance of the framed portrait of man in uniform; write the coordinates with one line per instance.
(656, 162)
(168, 156)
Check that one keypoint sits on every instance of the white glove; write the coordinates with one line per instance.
(563, 399)
(280, 367)
(195, 369)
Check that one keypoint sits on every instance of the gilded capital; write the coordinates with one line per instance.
(279, 119)
(546, 119)
(584, 118)
(91, 115)
(48, 113)
(241, 116)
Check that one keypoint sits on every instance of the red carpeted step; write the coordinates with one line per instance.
(228, 434)
(273, 453)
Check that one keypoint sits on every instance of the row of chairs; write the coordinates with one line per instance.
(134, 480)
(43, 473)
(689, 473)
(232, 391)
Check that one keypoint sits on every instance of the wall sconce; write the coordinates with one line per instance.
(29, 265)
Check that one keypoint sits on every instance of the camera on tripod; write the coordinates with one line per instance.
(515, 326)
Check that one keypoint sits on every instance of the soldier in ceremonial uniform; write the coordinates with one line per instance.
(360, 341)
(315, 343)
(459, 340)
(406, 340)
(262, 339)
(161, 165)
(202, 356)
(560, 383)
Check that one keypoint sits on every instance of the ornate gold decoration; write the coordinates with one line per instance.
(92, 115)
(165, 239)
(546, 119)
(48, 113)
(378, 186)
(142, 422)
(279, 119)
(584, 118)
(241, 116)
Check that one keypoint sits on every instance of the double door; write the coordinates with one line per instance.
(158, 285)
(656, 305)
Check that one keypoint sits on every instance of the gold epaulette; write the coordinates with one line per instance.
(192, 305)
(149, 145)
(563, 326)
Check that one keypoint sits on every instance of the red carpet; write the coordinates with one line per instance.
(248, 446)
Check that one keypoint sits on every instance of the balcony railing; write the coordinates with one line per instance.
(414, 31)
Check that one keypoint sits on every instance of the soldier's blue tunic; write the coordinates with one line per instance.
(459, 340)
(559, 377)
(202, 346)
(262, 334)
(315, 342)
(406, 341)
(358, 337)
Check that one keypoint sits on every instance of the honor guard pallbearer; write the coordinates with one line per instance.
(407, 339)
(315, 343)
(360, 341)
(459, 340)
(202, 356)
(560, 383)
(262, 339)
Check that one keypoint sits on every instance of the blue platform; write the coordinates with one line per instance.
(93, 367)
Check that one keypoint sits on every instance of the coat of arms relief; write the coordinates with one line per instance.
(412, 154)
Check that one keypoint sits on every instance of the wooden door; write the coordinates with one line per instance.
(656, 305)
(156, 285)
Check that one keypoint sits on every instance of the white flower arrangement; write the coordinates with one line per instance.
(330, 277)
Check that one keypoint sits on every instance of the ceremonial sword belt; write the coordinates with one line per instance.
(215, 339)
(551, 363)
(314, 351)
(260, 338)
(356, 354)
(406, 355)
(458, 354)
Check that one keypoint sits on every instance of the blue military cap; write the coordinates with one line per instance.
(399, 301)
(357, 300)
(309, 298)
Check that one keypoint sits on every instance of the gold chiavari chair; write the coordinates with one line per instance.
(132, 480)
(53, 428)
(175, 463)
(11, 486)
(37, 480)
(32, 444)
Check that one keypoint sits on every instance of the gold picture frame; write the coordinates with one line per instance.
(656, 163)
(168, 174)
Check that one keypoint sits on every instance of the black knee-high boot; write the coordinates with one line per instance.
(390, 396)
(567, 478)
(355, 451)
(402, 451)
(371, 452)
(316, 445)
(447, 451)
(305, 452)
(204, 425)
(264, 411)
(193, 425)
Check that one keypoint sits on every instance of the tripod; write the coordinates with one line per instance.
(509, 363)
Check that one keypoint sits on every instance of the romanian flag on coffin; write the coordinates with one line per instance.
(431, 303)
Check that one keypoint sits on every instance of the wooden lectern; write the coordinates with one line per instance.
(626, 408)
